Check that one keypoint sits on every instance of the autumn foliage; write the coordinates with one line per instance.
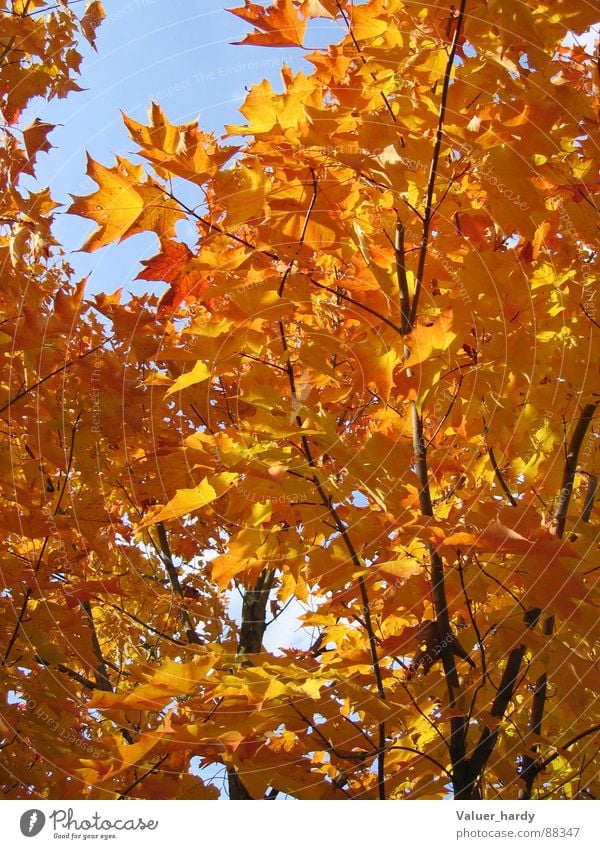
(369, 394)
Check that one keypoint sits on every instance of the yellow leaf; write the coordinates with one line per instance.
(124, 205)
(426, 338)
(266, 110)
(280, 24)
(365, 25)
(188, 500)
(183, 678)
(361, 700)
(398, 568)
(35, 137)
(376, 367)
(199, 373)
(242, 192)
(132, 754)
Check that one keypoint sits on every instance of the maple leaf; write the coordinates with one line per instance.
(276, 26)
(92, 18)
(35, 136)
(198, 374)
(124, 204)
(182, 150)
(189, 500)
(427, 338)
(174, 265)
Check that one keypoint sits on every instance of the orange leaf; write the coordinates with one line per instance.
(277, 26)
(124, 205)
(426, 338)
(91, 20)
(398, 569)
(320, 9)
(35, 137)
(174, 266)
(182, 149)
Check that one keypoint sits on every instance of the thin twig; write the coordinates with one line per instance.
(435, 160)
(139, 780)
(499, 475)
(473, 619)
(422, 755)
(164, 552)
(360, 53)
(581, 736)
(75, 676)
(311, 206)
(262, 362)
(402, 279)
(447, 413)
(43, 380)
(591, 317)
(590, 497)
(500, 584)
(100, 672)
(147, 625)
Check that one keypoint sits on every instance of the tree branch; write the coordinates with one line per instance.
(529, 768)
(271, 255)
(100, 672)
(512, 500)
(252, 630)
(457, 723)
(447, 413)
(566, 491)
(360, 53)
(164, 552)
(402, 279)
(477, 761)
(75, 676)
(149, 627)
(254, 609)
(593, 730)
(427, 218)
(153, 769)
(590, 497)
(311, 206)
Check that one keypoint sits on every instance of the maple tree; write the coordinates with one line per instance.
(369, 391)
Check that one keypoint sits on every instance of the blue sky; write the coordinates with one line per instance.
(178, 54)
